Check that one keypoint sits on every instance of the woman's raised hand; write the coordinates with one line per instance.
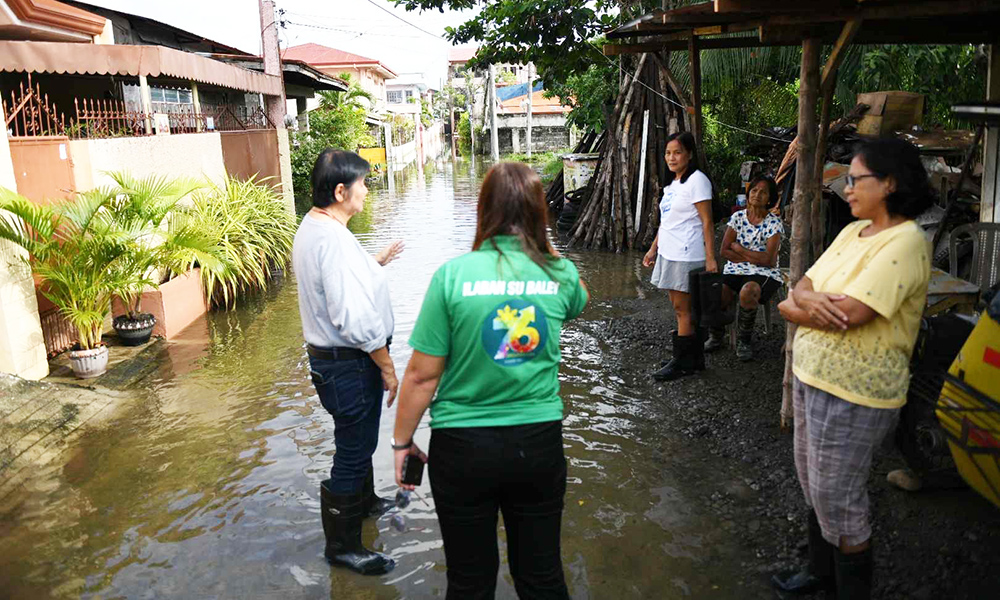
(390, 252)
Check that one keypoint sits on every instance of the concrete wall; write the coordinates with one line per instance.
(197, 155)
(22, 348)
(433, 140)
(548, 132)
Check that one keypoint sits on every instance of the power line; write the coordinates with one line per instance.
(384, 9)
(359, 33)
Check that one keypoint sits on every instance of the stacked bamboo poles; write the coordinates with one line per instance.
(607, 219)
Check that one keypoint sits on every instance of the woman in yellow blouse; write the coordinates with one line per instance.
(858, 310)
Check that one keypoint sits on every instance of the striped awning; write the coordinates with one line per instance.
(150, 61)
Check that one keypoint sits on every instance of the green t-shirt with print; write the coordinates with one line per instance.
(497, 316)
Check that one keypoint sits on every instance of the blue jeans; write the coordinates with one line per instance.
(520, 471)
(351, 391)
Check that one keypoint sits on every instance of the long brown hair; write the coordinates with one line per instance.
(512, 202)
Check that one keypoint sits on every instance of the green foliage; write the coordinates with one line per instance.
(464, 133)
(255, 233)
(355, 96)
(589, 93)
(166, 241)
(341, 127)
(506, 77)
(77, 251)
(403, 129)
(426, 116)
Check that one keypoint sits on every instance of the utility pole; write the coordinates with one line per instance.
(492, 99)
(272, 61)
(531, 86)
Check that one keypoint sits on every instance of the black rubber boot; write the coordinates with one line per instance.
(698, 350)
(669, 348)
(374, 505)
(716, 339)
(815, 576)
(684, 361)
(854, 575)
(342, 517)
(744, 333)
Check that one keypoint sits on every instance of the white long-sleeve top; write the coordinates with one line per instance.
(343, 292)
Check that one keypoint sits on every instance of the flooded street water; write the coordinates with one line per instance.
(205, 485)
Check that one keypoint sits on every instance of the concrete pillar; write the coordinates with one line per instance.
(302, 111)
(515, 140)
(285, 169)
(275, 105)
(147, 103)
(22, 347)
(198, 125)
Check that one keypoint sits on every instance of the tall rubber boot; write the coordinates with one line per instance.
(342, 516)
(669, 348)
(854, 575)
(374, 505)
(684, 361)
(818, 574)
(698, 350)
(744, 333)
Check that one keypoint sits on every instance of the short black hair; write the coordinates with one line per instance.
(772, 189)
(899, 159)
(332, 168)
(686, 140)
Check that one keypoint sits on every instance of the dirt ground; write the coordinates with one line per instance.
(929, 544)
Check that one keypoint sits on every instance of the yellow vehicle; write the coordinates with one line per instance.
(968, 409)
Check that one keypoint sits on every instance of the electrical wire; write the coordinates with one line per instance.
(674, 102)
(355, 31)
(386, 10)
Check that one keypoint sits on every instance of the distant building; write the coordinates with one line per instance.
(371, 74)
(403, 95)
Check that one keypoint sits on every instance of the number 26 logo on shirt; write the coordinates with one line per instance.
(514, 332)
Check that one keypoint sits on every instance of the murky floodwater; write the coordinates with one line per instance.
(205, 485)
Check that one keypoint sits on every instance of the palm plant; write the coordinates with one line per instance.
(255, 233)
(168, 241)
(77, 252)
(352, 97)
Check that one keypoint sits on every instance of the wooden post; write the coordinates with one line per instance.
(806, 191)
(198, 126)
(531, 85)
(697, 121)
(470, 104)
(828, 83)
(147, 104)
(989, 211)
(491, 97)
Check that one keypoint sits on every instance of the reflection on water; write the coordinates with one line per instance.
(206, 484)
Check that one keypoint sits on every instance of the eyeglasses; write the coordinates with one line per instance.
(852, 179)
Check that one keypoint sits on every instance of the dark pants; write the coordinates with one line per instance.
(520, 471)
(351, 391)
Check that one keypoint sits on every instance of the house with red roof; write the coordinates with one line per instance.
(370, 73)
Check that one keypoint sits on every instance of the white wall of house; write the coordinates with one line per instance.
(22, 348)
(196, 155)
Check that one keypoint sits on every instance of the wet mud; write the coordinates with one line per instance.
(942, 543)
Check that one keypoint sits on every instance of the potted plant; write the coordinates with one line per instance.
(77, 252)
(167, 243)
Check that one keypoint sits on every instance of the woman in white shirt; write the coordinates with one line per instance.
(347, 322)
(685, 241)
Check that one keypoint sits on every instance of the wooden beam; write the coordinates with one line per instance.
(742, 6)
(694, 59)
(836, 57)
(806, 192)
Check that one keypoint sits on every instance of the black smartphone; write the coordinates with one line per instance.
(413, 469)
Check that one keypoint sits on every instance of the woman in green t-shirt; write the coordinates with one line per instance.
(487, 342)
(858, 309)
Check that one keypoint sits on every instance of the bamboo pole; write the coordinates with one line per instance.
(806, 190)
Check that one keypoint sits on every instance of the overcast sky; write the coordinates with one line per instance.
(357, 26)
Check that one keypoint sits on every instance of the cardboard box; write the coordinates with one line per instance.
(890, 112)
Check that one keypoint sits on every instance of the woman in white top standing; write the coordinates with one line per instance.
(347, 322)
(685, 241)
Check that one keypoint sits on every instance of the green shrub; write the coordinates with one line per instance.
(255, 233)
